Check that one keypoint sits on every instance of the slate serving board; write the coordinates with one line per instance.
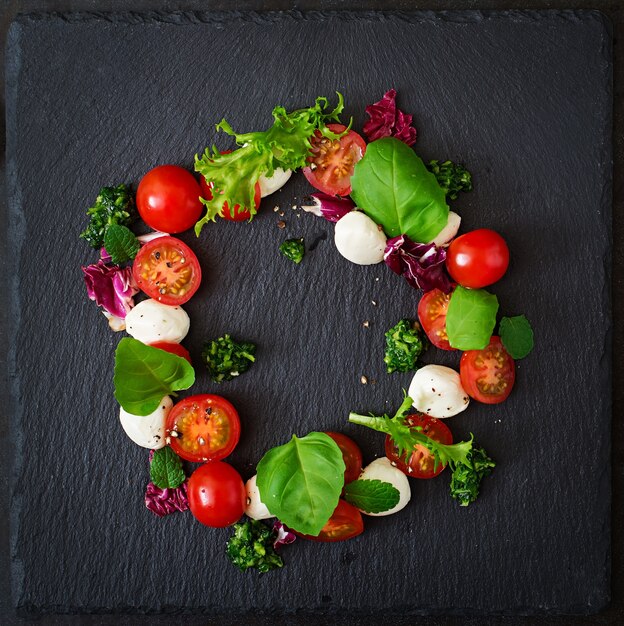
(523, 99)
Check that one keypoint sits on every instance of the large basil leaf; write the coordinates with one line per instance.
(143, 375)
(394, 188)
(300, 482)
(471, 318)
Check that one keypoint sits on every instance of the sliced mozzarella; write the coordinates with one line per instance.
(443, 238)
(256, 509)
(359, 239)
(147, 431)
(437, 391)
(277, 181)
(150, 321)
(382, 469)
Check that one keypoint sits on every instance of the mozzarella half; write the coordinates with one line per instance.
(382, 469)
(359, 239)
(150, 321)
(444, 237)
(256, 509)
(437, 391)
(277, 181)
(147, 431)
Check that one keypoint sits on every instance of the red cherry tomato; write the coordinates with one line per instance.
(478, 258)
(351, 454)
(173, 348)
(421, 462)
(216, 494)
(168, 199)
(345, 523)
(203, 428)
(332, 162)
(167, 270)
(432, 310)
(488, 375)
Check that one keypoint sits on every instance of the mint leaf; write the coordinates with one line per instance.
(121, 243)
(471, 318)
(143, 375)
(166, 469)
(517, 336)
(300, 482)
(372, 496)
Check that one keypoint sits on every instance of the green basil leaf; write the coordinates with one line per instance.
(394, 188)
(300, 482)
(121, 243)
(517, 336)
(471, 318)
(372, 496)
(143, 375)
(166, 469)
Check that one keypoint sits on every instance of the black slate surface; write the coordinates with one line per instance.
(523, 99)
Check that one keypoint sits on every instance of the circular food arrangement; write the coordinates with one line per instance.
(388, 206)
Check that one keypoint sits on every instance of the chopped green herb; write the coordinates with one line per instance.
(252, 546)
(121, 243)
(466, 480)
(114, 205)
(405, 342)
(226, 359)
(166, 469)
(452, 177)
(293, 249)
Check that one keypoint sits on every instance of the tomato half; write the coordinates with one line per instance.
(488, 375)
(421, 462)
(332, 162)
(168, 199)
(173, 348)
(478, 258)
(432, 310)
(351, 455)
(345, 523)
(203, 428)
(167, 270)
(216, 494)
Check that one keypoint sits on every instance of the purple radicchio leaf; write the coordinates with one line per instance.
(332, 208)
(284, 535)
(107, 258)
(111, 287)
(388, 121)
(421, 264)
(162, 502)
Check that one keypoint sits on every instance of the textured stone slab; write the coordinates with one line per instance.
(524, 99)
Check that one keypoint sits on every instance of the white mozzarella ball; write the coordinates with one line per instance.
(256, 509)
(443, 238)
(359, 239)
(437, 391)
(277, 181)
(382, 469)
(151, 321)
(147, 431)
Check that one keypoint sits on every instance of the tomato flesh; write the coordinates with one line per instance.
(167, 270)
(421, 462)
(332, 161)
(432, 310)
(488, 375)
(345, 523)
(173, 348)
(203, 428)
(351, 455)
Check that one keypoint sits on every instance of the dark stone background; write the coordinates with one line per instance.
(615, 614)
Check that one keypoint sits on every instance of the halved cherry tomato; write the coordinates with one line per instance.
(421, 462)
(488, 375)
(345, 523)
(167, 270)
(332, 162)
(351, 455)
(203, 428)
(173, 348)
(432, 310)
(216, 494)
(168, 199)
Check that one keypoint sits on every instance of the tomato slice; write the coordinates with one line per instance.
(173, 348)
(421, 462)
(351, 455)
(332, 162)
(167, 270)
(432, 310)
(488, 375)
(203, 428)
(345, 523)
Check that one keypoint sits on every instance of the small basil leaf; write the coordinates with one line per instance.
(471, 318)
(517, 336)
(372, 496)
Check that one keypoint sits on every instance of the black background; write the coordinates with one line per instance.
(616, 610)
